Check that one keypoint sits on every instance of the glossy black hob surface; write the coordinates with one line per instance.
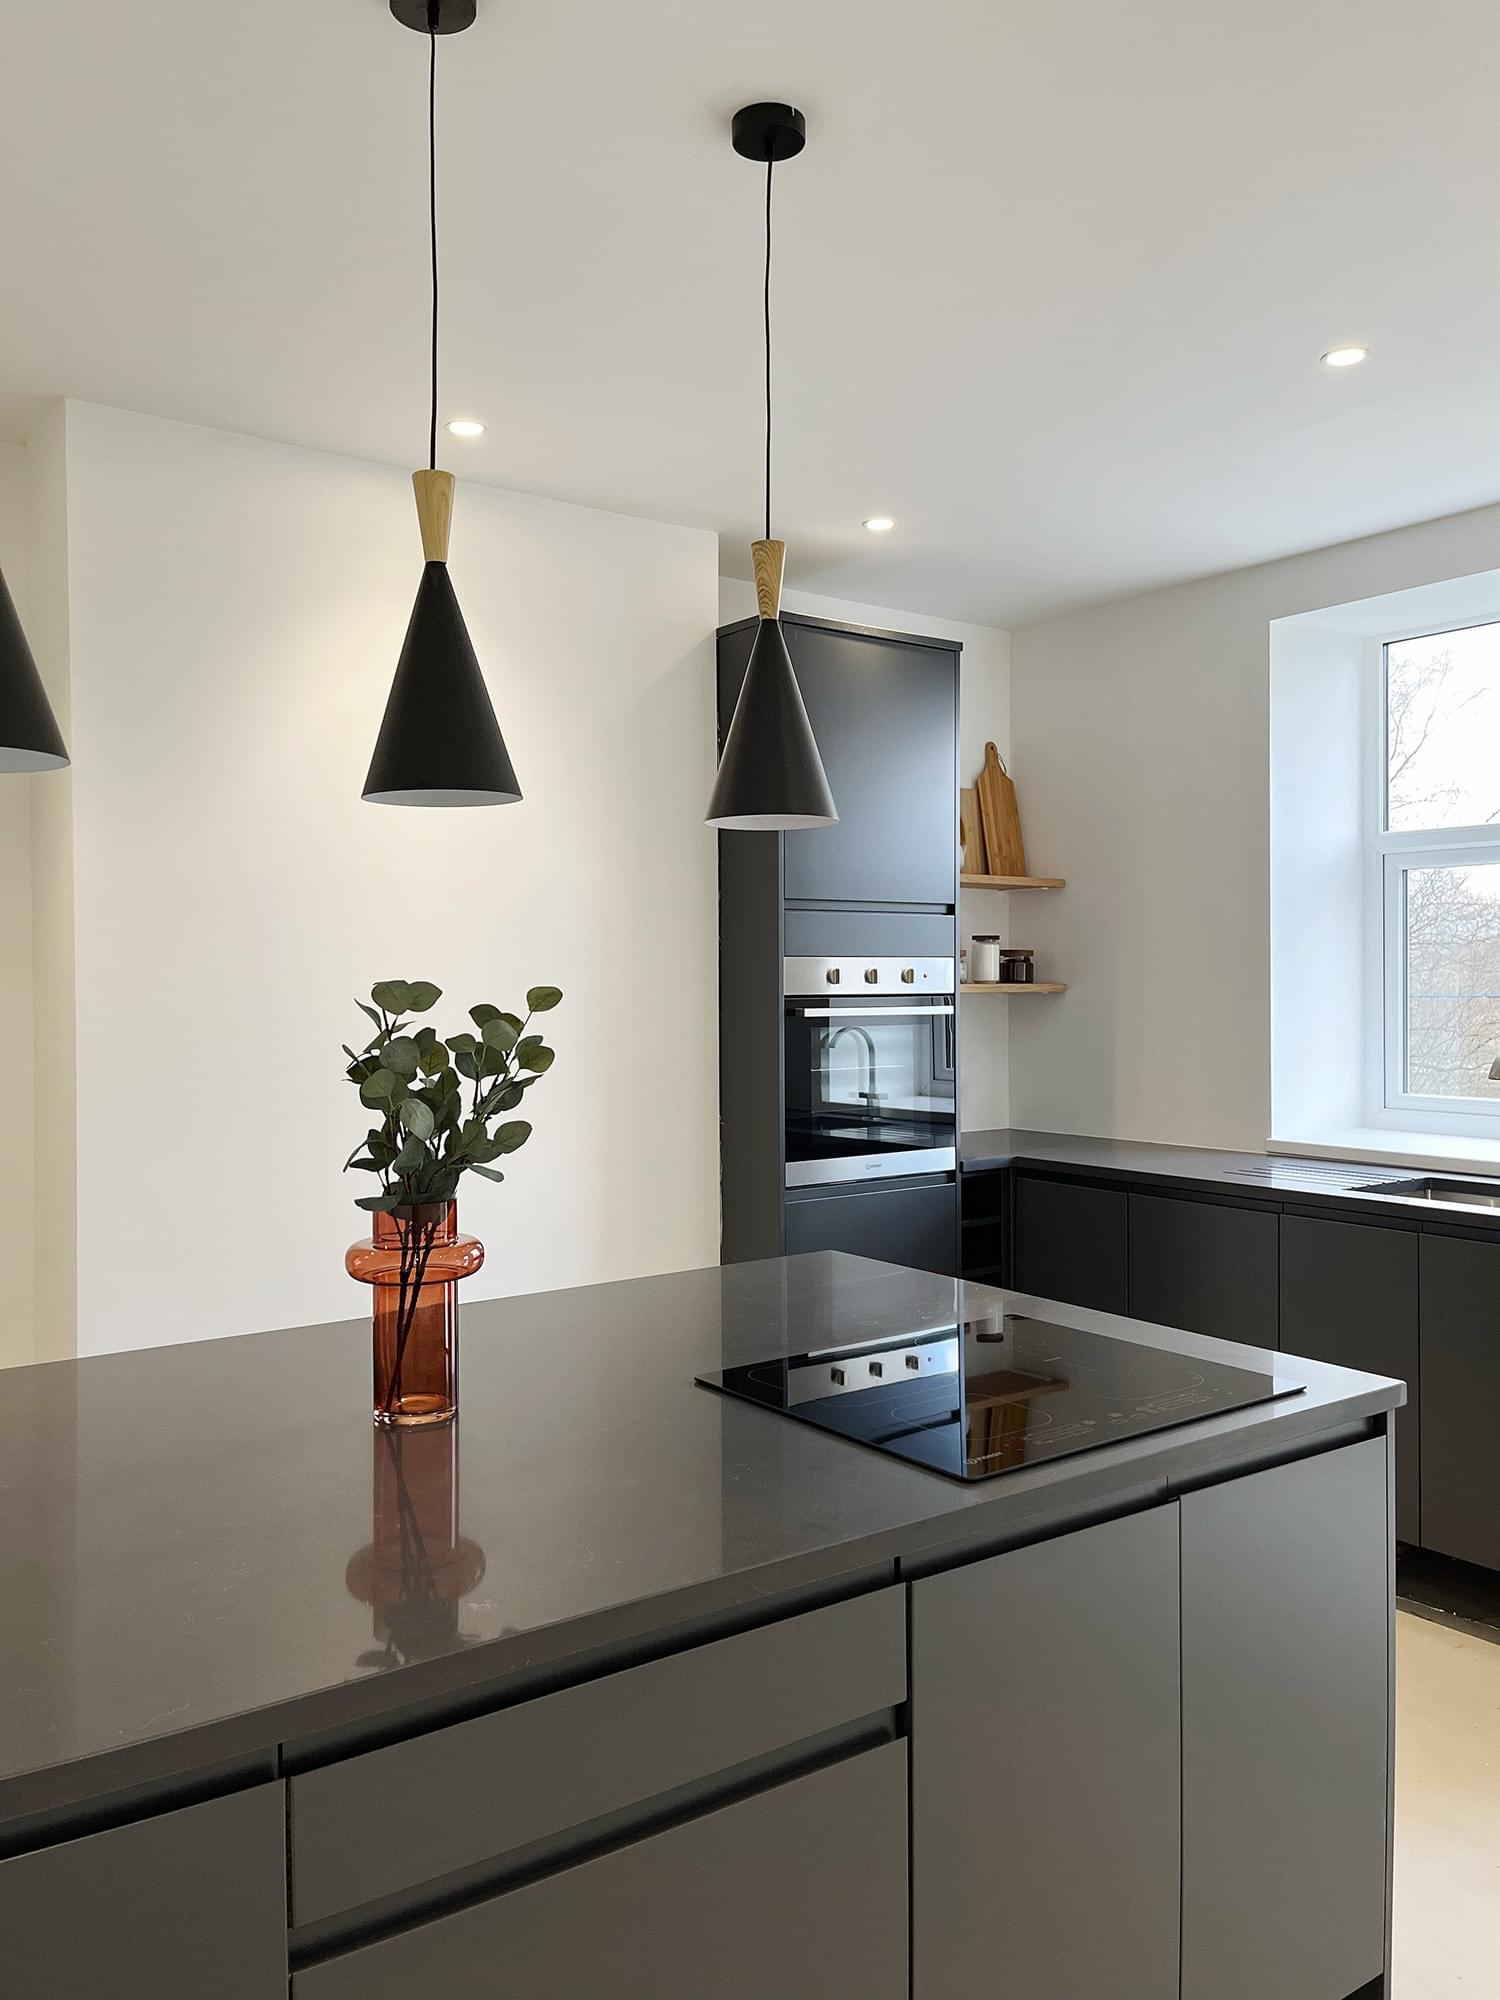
(993, 1394)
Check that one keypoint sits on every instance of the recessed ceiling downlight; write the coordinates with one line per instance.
(1345, 357)
(880, 524)
(466, 427)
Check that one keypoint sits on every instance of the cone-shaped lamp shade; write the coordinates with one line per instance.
(439, 744)
(30, 739)
(771, 777)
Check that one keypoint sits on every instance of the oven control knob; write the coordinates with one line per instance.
(877, 1367)
(833, 975)
(908, 975)
(872, 976)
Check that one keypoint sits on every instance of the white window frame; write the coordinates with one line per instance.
(1389, 856)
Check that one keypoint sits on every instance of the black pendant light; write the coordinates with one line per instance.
(439, 744)
(30, 739)
(771, 778)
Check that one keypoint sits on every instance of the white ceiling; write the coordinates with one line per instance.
(1053, 279)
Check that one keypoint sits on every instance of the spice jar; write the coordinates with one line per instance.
(984, 959)
(1017, 968)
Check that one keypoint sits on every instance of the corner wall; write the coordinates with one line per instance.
(236, 611)
(1142, 739)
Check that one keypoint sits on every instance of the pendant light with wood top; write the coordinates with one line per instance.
(771, 777)
(439, 744)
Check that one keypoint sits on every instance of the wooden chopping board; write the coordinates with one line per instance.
(971, 832)
(1001, 816)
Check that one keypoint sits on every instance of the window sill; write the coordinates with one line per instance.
(1441, 1152)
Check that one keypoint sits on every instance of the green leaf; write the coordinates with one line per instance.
(533, 1054)
(463, 1044)
(417, 1118)
(542, 999)
(434, 1060)
(392, 995)
(482, 1013)
(467, 1064)
(400, 1056)
(422, 996)
(412, 1158)
(499, 1034)
(372, 1014)
(510, 1138)
(379, 1084)
(378, 1204)
(489, 1173)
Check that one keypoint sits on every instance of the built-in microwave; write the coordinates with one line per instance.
(869, 1072)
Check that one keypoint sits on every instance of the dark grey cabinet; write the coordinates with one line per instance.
(1285, 1767)
(1461, 1397)
(797, 1893)
(189, 1903)
(1204, 1266)
(916, 1226)
(885, 714)
(1045, 1774)
(1072, 1243)
(1349, 1296)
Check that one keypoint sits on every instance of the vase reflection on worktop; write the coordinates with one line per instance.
(417, 1567)
(414, 1260)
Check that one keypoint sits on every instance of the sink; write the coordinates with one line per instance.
(1463, 1194)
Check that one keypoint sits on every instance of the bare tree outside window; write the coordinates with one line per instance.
(1443, 771)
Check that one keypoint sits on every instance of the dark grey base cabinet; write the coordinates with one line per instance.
(187, 1904)
(1204, 1266)
(1461, 1398)
(1072, 1243)
(1349, 1296)
(1156, 1751)
(915, 1226)
(798, 1893)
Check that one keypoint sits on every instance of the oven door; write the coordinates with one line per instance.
(869, 1088)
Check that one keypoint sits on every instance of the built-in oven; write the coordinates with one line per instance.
(869, 1069)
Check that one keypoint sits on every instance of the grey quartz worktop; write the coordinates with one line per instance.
(190, 1535)
(1275, 1177)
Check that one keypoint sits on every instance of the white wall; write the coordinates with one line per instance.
(235, 611)
(1141, 734)
(17, 1174)
(984, 716)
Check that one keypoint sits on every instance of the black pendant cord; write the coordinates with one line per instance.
(770, 169)
(432, 218)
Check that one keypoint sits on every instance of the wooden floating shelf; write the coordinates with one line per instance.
(1013, 881)
(1030, 986)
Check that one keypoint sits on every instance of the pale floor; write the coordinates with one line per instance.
(1447, 1915)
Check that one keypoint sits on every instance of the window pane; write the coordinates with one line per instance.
(1452, 980)
(1443, 730)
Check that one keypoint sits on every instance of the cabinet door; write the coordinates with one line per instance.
(1204, 1267)
(798, 1893)
(188, 1903)
(1349, 1296)
(1045, 1770)
(1286, 1620)
(886, 719)
(1071, 1243)
(1461, 1398)
(916, 1226)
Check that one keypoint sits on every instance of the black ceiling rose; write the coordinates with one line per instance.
(435, 17)
(767, 132)
(439, 744)
(771, 777)
(30, 739)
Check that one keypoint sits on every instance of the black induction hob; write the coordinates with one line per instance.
(995, 1394)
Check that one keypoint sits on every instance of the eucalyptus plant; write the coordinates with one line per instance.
(442, 1104)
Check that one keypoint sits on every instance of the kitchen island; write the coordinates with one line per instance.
(622, 1687)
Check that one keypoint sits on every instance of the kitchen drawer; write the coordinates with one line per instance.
(797, 1893)
(420, 1809)
(899, 1222)
(190, 1902)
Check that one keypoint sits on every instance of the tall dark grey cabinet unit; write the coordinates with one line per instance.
(881, 885)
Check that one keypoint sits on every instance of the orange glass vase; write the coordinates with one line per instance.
(414, 1260)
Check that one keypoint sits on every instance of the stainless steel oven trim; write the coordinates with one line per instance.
(857, 1167)
(866, 1013)
(802, 978)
